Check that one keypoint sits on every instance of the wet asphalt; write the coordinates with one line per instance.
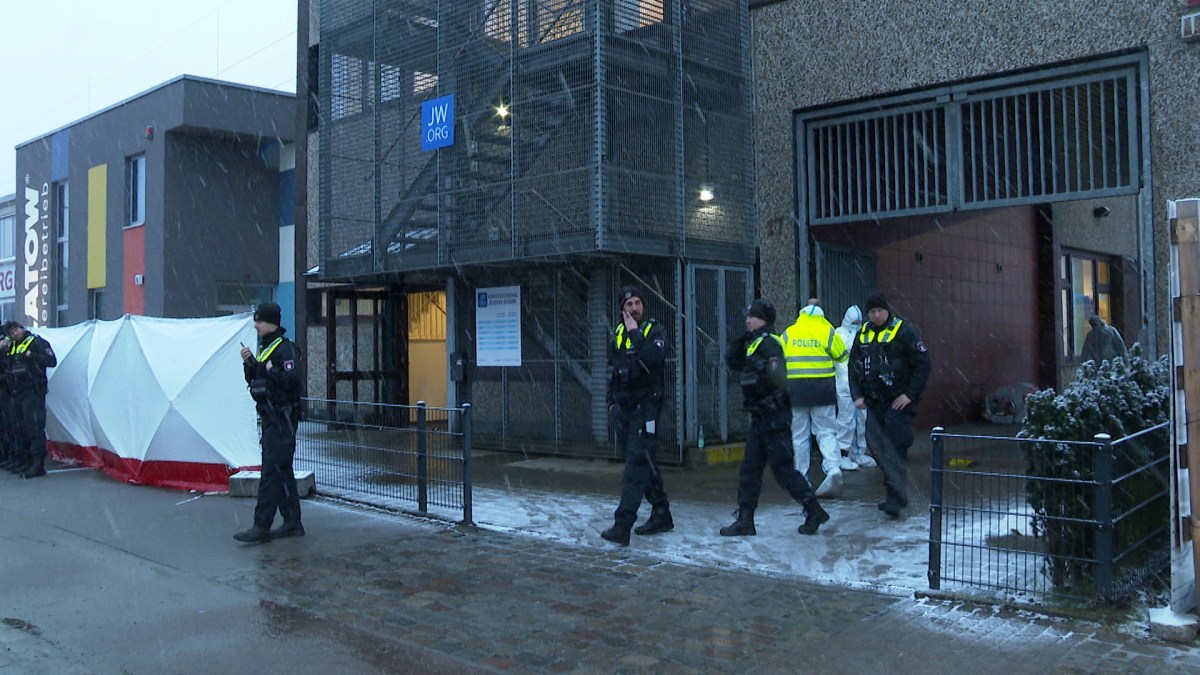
(103, 577)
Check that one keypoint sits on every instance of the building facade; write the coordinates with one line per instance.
(8, 257)
(544, 151)
(1001, 171)
(176, 202)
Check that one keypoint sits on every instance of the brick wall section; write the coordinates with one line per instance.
(972, 294)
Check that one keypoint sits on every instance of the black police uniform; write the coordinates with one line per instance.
(636, 361)
(886, 362)
(28, 360)
(758, 356)
(277, 394)
(8, 456)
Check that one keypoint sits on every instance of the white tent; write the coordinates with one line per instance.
(153, 401)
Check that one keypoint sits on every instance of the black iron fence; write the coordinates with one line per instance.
(1032, 517)
(397, 456)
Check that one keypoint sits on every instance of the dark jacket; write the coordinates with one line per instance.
(27, 364)
(276, 391)
(888, 361)
(636, 364)
(1103, 343)
(758, 357)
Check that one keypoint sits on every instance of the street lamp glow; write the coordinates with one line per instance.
(706, 193)
(502, 111)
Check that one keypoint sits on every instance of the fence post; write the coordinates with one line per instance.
(422, 468)
(937, 461)
(468, 507)
(1103, 549)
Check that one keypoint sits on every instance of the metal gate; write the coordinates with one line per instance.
(844, 277)
(715, 309)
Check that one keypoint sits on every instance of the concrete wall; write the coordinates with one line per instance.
(221, 224)
(809, 52)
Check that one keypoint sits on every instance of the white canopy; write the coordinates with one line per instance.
(153, 401)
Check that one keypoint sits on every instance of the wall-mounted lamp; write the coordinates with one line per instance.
(1101, 211)
(706, 193)
(149, 133)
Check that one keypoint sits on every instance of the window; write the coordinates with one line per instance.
(95, 303)
(137, 190)
(1088, 285)
(62, 217)
(234, 297)
(8, 237)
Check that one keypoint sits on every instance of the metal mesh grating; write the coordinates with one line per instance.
(581, 126)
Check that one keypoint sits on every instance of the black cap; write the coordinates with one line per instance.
(761, 309)
(628, 292)
(268, 312)
(877, 300)
(9, 325)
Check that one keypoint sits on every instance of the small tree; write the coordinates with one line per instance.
(1118, 398)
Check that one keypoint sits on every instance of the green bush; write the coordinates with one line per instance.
(1119, 398)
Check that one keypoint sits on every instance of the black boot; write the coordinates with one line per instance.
(743, 526)
(659, 521)
(288, 530)
(817, 517)
(254, 535)
(36, 469)
(617, 534)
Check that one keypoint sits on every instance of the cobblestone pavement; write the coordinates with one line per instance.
(501, 602)
(148, 580)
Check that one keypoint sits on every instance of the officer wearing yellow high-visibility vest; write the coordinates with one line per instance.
(811, 348)
(889, 367)
(637, 355)
(758, 357)
(273, 374)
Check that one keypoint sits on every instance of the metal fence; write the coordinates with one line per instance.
(389, 455)
(1080, 520)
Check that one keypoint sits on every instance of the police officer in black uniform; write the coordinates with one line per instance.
(637, 354)
(758, 356)
(8, 455)
(273, 374)
(889, 367)
(28, 356)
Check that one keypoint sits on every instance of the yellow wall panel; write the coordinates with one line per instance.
(97, 226)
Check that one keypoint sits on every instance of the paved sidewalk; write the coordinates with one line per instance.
(112, 578)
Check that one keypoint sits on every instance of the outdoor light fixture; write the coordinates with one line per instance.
(706, 193)
(502, 111)
(1101, 211)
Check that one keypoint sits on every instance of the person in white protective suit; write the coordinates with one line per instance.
(852, 422)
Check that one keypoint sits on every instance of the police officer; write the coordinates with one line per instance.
(637, 354)
(273, 374)
(28, 356)
(889, 367)
(758, 356)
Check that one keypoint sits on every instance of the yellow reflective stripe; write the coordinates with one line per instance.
(23, 347)
(754, 345)
(266, 353)
(620, 334)
(886, 335)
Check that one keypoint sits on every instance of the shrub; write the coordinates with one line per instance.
(1119, 398)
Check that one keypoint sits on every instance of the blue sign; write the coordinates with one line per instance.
(437, 123)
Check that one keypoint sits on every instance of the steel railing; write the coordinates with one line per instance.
(1088, 520)
(390, 455)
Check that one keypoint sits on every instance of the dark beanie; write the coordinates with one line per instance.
(628, 292)
(761, 309)
(876, 300)
(268, 312)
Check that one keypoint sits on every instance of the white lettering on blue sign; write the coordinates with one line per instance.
(437, 123)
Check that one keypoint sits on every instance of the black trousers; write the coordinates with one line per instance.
(28, 424)
(769, 443)
(889, 435)
(277, 481)
(642, 477)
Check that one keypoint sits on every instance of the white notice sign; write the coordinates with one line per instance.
(498, 326)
